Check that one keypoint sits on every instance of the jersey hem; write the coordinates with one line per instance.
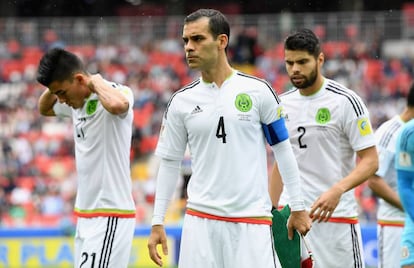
(253, 220)
(390, 223)
(104, 213)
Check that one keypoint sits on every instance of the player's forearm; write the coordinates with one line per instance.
(365, 168)
(289, 173)
(46, 102)
(166, 182)
(112, 100)
(384, 191)
(275, 185)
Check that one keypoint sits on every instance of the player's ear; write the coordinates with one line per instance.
(321, 58)
(223, 40)
(80, 78)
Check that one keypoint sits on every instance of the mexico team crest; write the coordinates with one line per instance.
(91, 106)
(243, 102)
(323, 116)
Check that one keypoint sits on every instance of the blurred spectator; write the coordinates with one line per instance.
(38, 147)
(14, 49)
(51, 40)
(246, 48)
(52, 202)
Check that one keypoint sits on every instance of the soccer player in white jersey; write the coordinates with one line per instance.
(225, 117)
(102, 121)
(328, 127)
(390, 213)
(404, 164)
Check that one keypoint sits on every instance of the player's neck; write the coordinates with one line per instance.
(314, 88)
(407, 114)
(217, 75)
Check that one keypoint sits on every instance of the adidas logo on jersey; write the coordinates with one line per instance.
(197, 109)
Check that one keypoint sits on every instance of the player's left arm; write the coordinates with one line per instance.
(114, 101)
(366, 166)
(275, 185)
(383, 190)
(276, 134)
(287, 171)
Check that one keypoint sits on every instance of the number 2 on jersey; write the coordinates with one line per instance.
(221, 132)
(302, 131)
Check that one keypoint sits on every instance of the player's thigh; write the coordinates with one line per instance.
(197, 246)
(103, 242)
(253, 246)
(389, 246)
(336, 245)
(214, 244)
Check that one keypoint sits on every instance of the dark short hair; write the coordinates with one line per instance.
(218, 23)
(410, 96)
(58, 64)
(305, 40)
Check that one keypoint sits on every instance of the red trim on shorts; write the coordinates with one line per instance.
(262, 220)
(344, 220)
(390, 223)
(103, 214)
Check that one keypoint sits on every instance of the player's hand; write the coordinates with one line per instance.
(324, 206)
(95, 81)
(299, 221)
(157, 237)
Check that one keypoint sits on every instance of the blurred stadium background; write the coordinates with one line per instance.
(368, 44)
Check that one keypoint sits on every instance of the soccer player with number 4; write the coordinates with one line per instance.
(328, 127)
(225, 117)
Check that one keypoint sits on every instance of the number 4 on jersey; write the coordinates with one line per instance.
(221, 132)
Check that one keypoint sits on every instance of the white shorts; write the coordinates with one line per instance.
(103, 242)
(211, 243)
(336, 245)
(389, 246)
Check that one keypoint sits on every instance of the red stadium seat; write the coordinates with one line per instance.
(374, 70)
(11, 67)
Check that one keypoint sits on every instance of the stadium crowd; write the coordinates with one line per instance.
(37, 175)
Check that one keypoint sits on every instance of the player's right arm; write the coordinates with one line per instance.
(157, 237)
(46, 102)
(378, 185)
(167, 178)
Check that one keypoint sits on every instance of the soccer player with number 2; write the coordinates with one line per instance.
(328, 127)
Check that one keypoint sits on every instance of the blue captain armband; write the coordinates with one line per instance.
(276, 131)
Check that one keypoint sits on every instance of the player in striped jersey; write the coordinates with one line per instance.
(390, 213)
(102, 122)
(328, 127)
(225, 117)
(404, 164)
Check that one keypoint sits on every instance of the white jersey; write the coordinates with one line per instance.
(325, 130)
(386, 136)
(102, 148)
(223, 128)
